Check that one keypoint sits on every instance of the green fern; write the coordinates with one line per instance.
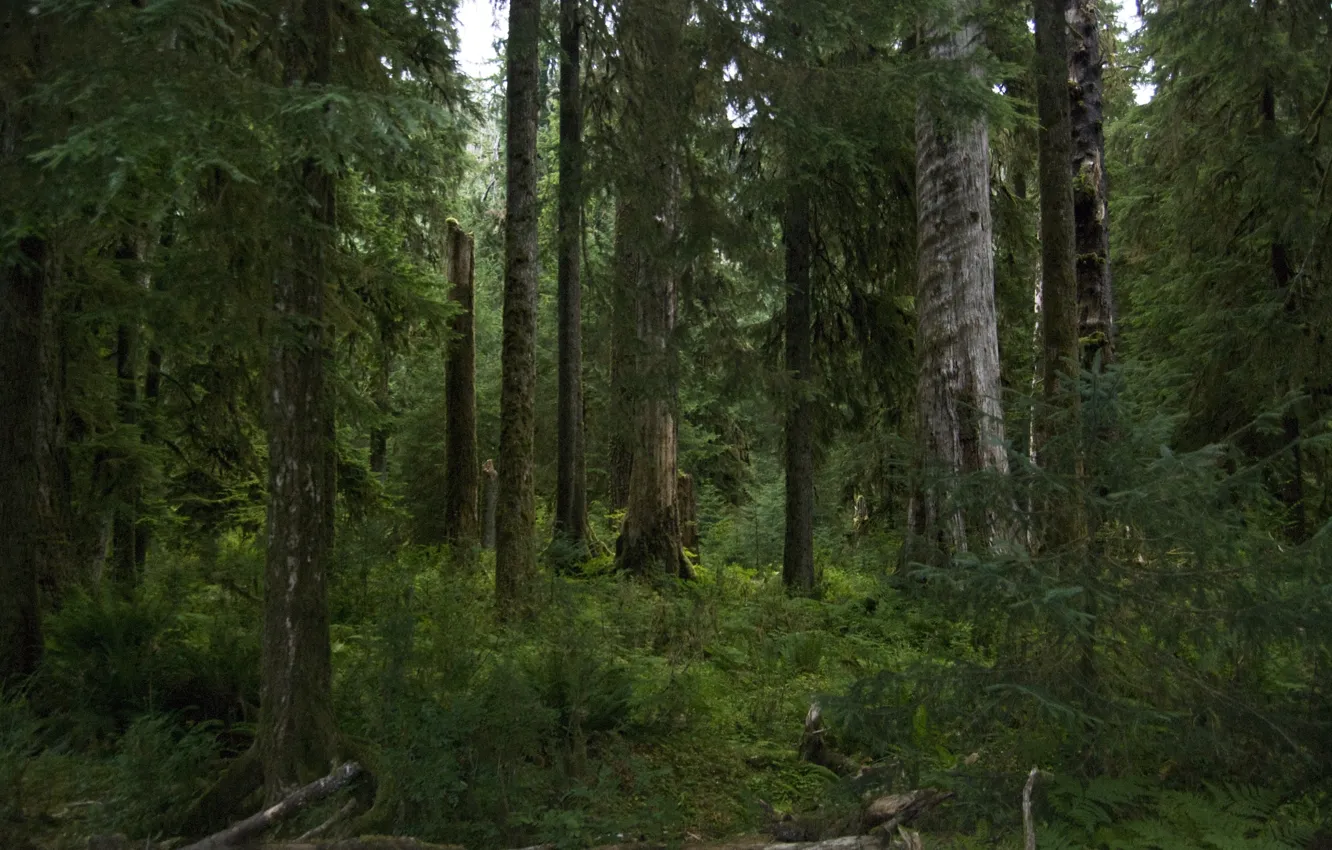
(1133, 813)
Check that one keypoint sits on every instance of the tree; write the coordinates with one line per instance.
(461, 473)
(515, 552)
(959, 417)
(1091, 209)
(1059, 317)
(570, 476)
(624, 283)
(651, 36)
(798, 552)
(28, 416)
(296, 733)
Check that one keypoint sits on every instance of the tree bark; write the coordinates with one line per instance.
(571, 476)
(124, 541)
(296, 731)
(1059, 283)
(959, 416)
(1096, 305)
(649, 541)
(381, 394)
(1059, 288)
(515, 553)
(798, 551)
(28, 363)
(490, 496)
(25, 422)
(620, 451)
(462, 476)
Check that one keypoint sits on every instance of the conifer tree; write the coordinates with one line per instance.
(462, 474)
(651, 36)
(515, 551)
(296, 733)
(959, 417)
(1091, 209)
(28, 418)
(570, 476)
(798, 551)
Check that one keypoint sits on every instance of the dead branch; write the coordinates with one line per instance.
(256, 825)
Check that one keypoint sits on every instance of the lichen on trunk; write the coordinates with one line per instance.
(959, 417)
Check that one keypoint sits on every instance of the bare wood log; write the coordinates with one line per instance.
(257, 824)
(896, 810)
(324, 827)
(1028, 823)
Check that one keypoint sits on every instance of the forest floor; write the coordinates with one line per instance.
(623, 713)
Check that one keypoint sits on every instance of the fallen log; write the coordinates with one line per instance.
(897, 810)
(255, 825)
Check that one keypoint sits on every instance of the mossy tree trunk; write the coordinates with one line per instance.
(653, 121)
(798, 551)
(1096, 304)
(960, 425)
(515, 547)
(570, 476)
(296, 732)
(462, 475)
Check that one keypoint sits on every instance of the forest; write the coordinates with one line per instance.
(729, 424)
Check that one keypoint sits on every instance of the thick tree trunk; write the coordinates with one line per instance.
(649, 541)
(515, 552)
(1096, 305)
(959, 415)
(296, 732)
(25, 423)
(620, 451)
(461, 474)
(798, 552)
(571, 476)
(29, 531)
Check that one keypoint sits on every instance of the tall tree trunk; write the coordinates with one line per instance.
(1059, 287)
(1067, 529)
(461, 473)
(296, 732)
(152, 389)
(620, 451)
(28, 364)
(490, 498)
(124, 540)
(515, 551)
(649, 541)
(381, 394)
(25, 422)
(570, 477)
(798, 552)
(959, 416)
(1096, 304)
